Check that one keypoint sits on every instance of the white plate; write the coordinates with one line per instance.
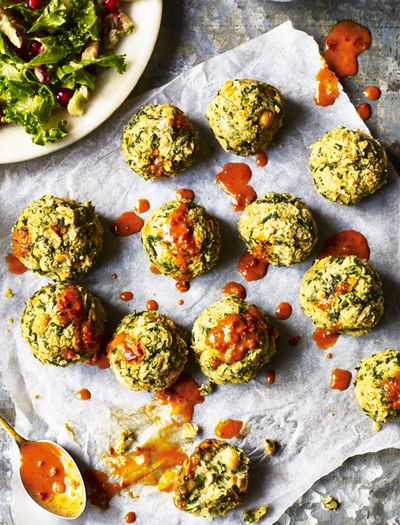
(111, 89)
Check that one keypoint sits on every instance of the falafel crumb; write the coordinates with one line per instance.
(126, 439)
(10, 320)
(330, 503)
(189, 430)
(255, 515)
(206, 388)
(271, 447)
(8, 293)
(377, 426)
(35, 396)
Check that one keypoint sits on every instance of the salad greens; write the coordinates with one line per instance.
(49, 54)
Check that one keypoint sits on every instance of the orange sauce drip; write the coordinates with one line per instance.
(142, 206)
(233, 288)
(151, 305)
(261, 159)
(344, 42)
(83, 394)
(98, 359)
(391, 387)
(14, 265)
(154, 270)
(234, 179)
(252, 268)
(127, 223)
(324, 338)
(182, 396)
(270, 377)
(99, 489)
(372, 92)
(130, 349)
(184, 193)
(42, 470)
(327, 87)
(364, 110)
(126, 296)
(130, 517)
(20, 242)
(283, 311)
(294, 340)
(235, 334)
(340, 379)
(349, 242)
(228, 429)
(182, 286)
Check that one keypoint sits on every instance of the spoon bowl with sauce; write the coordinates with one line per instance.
(50, 476)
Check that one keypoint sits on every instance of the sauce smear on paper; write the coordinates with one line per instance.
(294, 340)
(127, 224)
(229, 428)
(14, 265)
(325, 338)
(349, 242)
(327, 87)
(233, 288)
(372, 92)
(234, 181)
(251, 267)
(364, 110)
(340, 379)
(182, 397)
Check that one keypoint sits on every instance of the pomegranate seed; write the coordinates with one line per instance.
(35, 4)
(41, 74)
(35, 48)
(111, 5)
(64, 96)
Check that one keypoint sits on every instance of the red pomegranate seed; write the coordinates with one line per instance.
(35, 4)
(35, 48)
(64, 96)
(41, 74)
(111, 5)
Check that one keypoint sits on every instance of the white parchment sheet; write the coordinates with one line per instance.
(318, 428)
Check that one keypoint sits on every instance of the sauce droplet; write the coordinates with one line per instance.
(151, 305)
(233, 288)
(270, 377)
(234, 179)
(340, 379)
(126, 296)
(127, 223)
(372, 92)
(344, 42)
(251, 267)
(181, 301)
(155, 270)
(182, 286)
(294, 340)
(324, 338)
(229, 428)
(14, 265)
(349, 242)
(184, 193)
(261, 159)
(114, 276)
(83, 394)
(327, 89)
(142, 206)
(130, 517)
(182, 396)
(329, 356)
(283, 311)
(364, 110)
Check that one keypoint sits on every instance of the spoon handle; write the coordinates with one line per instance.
(19, 439)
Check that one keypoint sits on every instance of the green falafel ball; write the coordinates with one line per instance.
(159, 142)
(147, 351)
(279, 228)
(181, 239)
(347, 165)
(232, 340)
(57, 237)
(245, 115)
(63, 324)
(213, 480)
(342, 294)
(377, 385)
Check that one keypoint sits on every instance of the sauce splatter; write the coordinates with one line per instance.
(184, 193)
(261, 159)
(364, 110)
(324, 338)
(344, 42)
(340, 379)
(233, 288)
(127, 223)
(349, 242)
(142, 206)
(182, 397)
(182, 286)
(234, 179)
(391, 387)
(229, 428)
(283, 311)
(251, 267)
(130, 517)
(270, 377)
(14, 265)
(83, 394)
(100, 490)
(372, 92)
(155, 270)
(126, 296)
(151, 305)
(327, 89)
(294, 340)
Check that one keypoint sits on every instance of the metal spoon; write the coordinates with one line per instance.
(50, 476)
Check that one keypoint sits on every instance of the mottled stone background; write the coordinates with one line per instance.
(368, 487)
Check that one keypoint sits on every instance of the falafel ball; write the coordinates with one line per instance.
(147, 351)
(63, 324)
(57, 237)
(245, 115)
(347, 165)
(342, 294)
(159, 142)
(232, 340)
(279, 228)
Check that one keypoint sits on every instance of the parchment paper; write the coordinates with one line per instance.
(318, 428)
